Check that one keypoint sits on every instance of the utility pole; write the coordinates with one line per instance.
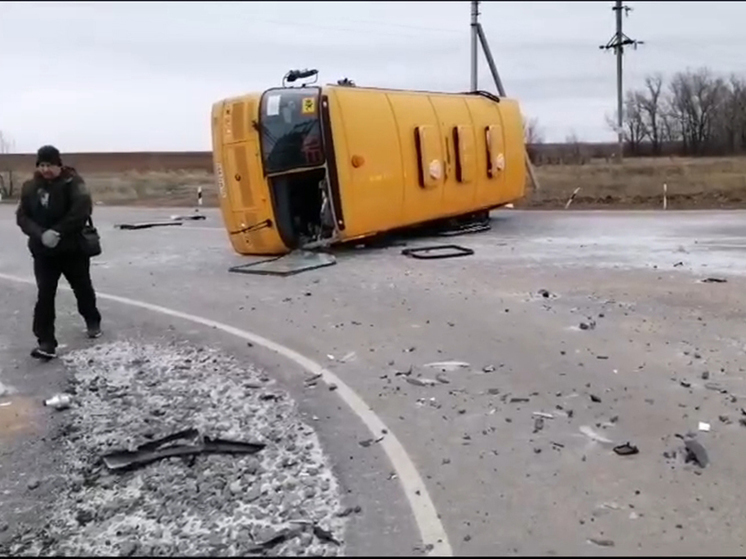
(474, 53)
(618, 42)
(477, 34)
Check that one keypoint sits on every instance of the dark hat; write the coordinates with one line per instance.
(49, 155)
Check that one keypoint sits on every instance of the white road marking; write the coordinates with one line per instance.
(431, 528)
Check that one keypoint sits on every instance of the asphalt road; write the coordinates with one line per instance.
(499, 481)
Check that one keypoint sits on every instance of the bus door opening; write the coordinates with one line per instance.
(295, 163)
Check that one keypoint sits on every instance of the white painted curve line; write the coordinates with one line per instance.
(431, 529)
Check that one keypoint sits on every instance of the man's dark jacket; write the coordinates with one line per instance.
(67, 210)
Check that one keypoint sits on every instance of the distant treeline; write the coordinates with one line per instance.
(694, 113)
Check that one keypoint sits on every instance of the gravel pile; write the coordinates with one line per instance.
(283, 500)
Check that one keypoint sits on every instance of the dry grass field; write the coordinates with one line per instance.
(693, 183)
(172, 179)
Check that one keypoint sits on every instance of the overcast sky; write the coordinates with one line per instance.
(142, 76)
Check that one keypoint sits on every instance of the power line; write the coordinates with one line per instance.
(618, 42)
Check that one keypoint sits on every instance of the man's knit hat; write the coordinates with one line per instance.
(49, 155)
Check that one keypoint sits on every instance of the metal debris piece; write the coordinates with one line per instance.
(194, 443)
(324, 535)
(59, 401)
(714, 280)
(703, 426)
(626, 449)
(591, 434)
(420, 381)
(696, 453)
(518, 400)
(448, 366)
(281, 537)
(434, 252)
(147, 225)
(602, 543)
(595, 398)
(293, 263)
(191, 217)
(543, 415)
(538, 424)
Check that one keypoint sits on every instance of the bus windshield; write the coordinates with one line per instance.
(291, 130)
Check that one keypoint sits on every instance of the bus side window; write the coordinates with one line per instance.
(491, 136)
(429, 166)
(463, 143)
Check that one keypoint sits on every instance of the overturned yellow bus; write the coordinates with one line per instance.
(311, 166)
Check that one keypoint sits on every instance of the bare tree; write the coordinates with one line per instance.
(651, 111)
(6, 167)
(696, 98)
(635, 130)
(533, 136)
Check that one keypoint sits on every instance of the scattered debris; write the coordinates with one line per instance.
(714, 280)
(696, 453)
(685, 384)
(715, 387)
(448, 366)
(591, 434)
(602, 543)
(725, 419)
(705, 375)
(434, 252)
(406, 373)
(544, 293)
(59, 401)
(488, 369)
(441, 378)
(192, 217)
(518, 400)
(626, 449)
(543, 415)
(703, 426)
(33, 484)
(595, 398)
(418, 381)
(368, 442)
(147, 225)
(161, 448)
(590, 325)
(324, 535)
(351, 356)
(287, 265)
(538, 424)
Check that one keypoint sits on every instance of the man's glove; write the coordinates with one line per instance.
(50, 238)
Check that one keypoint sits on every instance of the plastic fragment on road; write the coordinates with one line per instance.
(696, 453)
(192, 217)
(435, 252)
(448, 366)
(591, 434)
(626, 449)
(59, 401)
(192, 443)
(293, 263)
(147, 225)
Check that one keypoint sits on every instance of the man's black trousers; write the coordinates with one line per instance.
(76, 268)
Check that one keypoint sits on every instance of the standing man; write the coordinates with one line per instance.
(55, 206)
